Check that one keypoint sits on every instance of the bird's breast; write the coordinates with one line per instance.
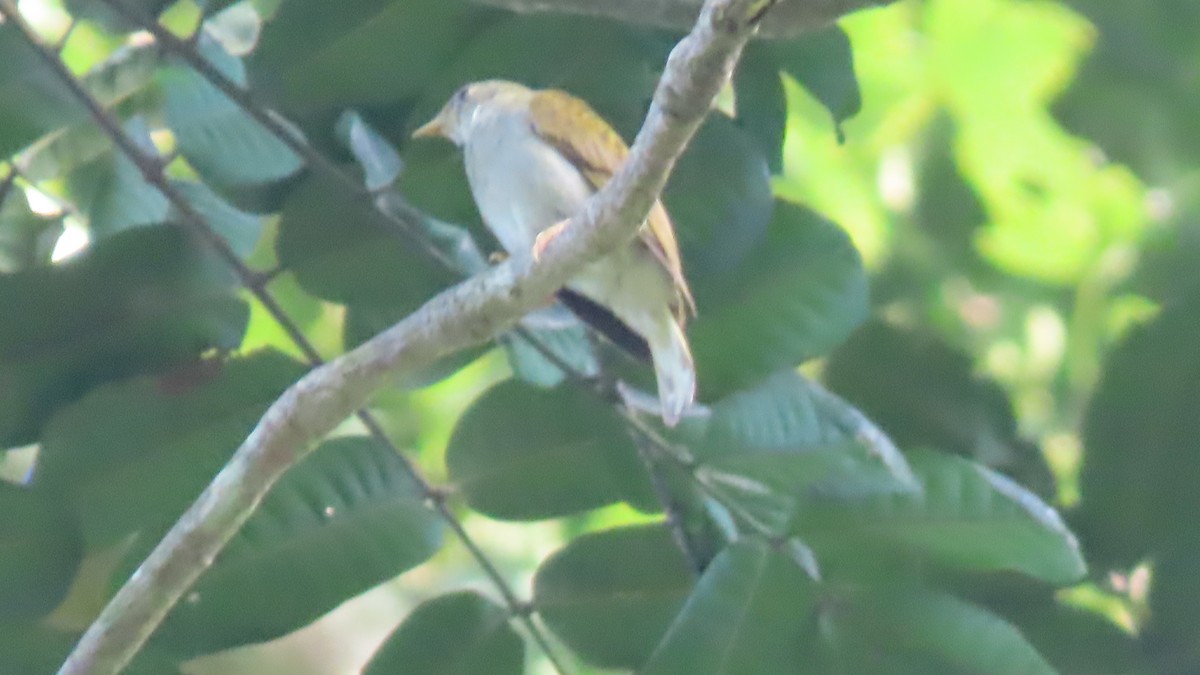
(521, 184)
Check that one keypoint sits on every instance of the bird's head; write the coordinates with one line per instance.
(456, 119)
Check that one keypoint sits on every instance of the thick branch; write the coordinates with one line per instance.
(789, 18)
(467, 314)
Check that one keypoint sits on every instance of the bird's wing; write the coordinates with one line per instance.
(588, 142)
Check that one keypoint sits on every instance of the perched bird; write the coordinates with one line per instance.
(533, 157)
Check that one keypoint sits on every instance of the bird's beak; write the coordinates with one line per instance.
(431, 129)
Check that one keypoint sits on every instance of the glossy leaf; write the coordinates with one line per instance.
(966, 516)
(522, 453)
(460, 633)
(98, 452)
(239, 229)
(568, 344)
(39, 552)
(751, 612)
(610, 595)
(345, 519)
(795, 297)
(136, 302)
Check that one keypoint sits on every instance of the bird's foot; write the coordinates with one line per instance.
(546, 236)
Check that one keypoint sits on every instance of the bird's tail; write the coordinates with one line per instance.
(673, 368)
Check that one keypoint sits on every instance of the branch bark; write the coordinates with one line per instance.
(789, 18)
(464, 315)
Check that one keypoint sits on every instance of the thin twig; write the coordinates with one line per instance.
(469, 313)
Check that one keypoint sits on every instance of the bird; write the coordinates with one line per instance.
(532, 158)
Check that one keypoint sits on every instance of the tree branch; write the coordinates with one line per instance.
(789, 18)
(464, 315)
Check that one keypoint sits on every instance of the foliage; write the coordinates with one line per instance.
(1013, 182)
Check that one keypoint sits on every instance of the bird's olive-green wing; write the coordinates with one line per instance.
(588, 142)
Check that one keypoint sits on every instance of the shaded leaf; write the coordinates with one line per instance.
(240, 229)
(925, 393)
(1141, 435)
(346, 518)
(313, 54)
(824, 65)
(26, 238)
(721, 215)
(569, 344)
(39, 552)
(459, 633)
(610, 595)
(795, 297)
(751, 612)
(136, 302)
(522, 453)
(761, 105)
(98, 452)
(33, 101)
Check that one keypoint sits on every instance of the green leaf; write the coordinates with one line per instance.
(98, 452)
(114, 21)
(314, 54)
(26, 238)
(926, 394)
(111, 191)
(522, 453)
(240, 229)
(345, 519)
(35, 649)
(459, 633)
(720, 216)
(341, 250)
(751, 612)
(923, 631)
(795, 297)
(380, 162)
(569, 344)
(137, 302)
(39, 552)
(611, 595)
(966, 516)
(823, 64)
(761, 104)
(224, 144)
(773, 487)
(1142, 466)
(33, 101)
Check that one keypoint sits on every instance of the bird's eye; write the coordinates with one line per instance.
(459, 96)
